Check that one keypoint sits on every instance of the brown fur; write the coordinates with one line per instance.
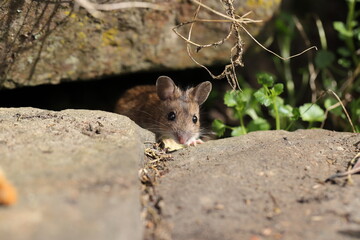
(143, 105)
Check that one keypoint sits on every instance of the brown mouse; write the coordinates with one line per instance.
(166, 110)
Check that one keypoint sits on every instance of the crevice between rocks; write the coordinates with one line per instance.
(154, 167)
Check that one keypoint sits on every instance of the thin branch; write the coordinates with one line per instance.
(90, 7)
(94, 8)
(345, 111)
(354, 167)
(311, 67)
(277, 55)
(229, 71)
(196, 44)
(242, 19)
(236, 24)
(122, 5)
(327, 112)
(248, 20)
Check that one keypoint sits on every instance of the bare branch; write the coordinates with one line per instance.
(277, 55)
(343, 107)
(236, 25)
(94, 8)
(240, 20)
(90, 7)
(122, 5)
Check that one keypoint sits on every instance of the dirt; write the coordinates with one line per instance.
(264, 185)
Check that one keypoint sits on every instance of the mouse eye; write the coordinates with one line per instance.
(194, 119)
(171, 116)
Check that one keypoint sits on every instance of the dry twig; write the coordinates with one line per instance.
(236, 51)
(236, 25)
(94, 8)
(313, 73)
(339, 103)
(354, 167)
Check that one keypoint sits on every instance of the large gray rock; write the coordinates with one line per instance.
(76, 173)
(264, 185)
(46, 42)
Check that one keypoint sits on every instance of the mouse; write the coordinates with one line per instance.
(167, 110)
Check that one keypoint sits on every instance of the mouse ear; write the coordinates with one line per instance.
(201, 92)
(165, 88)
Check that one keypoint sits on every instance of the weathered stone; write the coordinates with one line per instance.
(75, 172)
(76, 175)
(264, 185)
(46, 42)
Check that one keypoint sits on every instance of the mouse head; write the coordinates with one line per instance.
(180, 110)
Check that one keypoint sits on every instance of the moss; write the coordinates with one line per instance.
(109, 37)
(262, 3)
(70, 14)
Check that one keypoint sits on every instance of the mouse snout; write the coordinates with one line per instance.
(183, 137)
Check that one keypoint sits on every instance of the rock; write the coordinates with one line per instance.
(265, 184)
(75, 172)
(51, 42)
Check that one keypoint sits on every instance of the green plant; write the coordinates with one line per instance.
(268, 95)
(331, 77)
(248, 104)
(349, 59)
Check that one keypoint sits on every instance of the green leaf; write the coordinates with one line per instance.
(353, 24)
(286, 111)
(295, 114)
(285, 25)
(252, 113)
(343, 51)
(262, 97)
(355, 111)
(219, 127)
(246, 94)
(345, 63)
(357, 34)
(283, 110)
(342, 30)
(259, 124)
(278, 89)
(324, 59)
(237, 131)
(265, 79)
(231, 98)
(312, 113)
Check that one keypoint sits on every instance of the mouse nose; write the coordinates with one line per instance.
(182, 138)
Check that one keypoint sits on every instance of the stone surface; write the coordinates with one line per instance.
(47, 42)
(264, 185)
(75, 172)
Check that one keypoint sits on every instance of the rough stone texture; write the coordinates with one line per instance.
(264, 185)
(75, 172)
(50, 41)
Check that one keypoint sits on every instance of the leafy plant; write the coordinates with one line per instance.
(342, 75)
(247, 104)
(282, 105)
(244, 105)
